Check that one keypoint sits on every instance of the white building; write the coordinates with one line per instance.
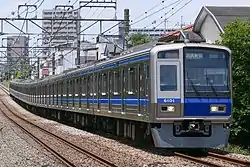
(57, 32)
(212, 20)
(67, 59)
(62, 30)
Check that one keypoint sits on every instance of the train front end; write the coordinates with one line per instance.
(193, 97)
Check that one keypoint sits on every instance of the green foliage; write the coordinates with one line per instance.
(237, 38)
(237, 150)
(138, 39)
(18, 75)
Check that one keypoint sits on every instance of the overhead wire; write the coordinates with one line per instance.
(155, 12)
(92, 15)
(64, 17)
(148, 10)
(174, 13)
(167, 6)
(16, 39)
(52, 36)
(173, 8)
(26, 10)
(17, 9)
(37, 6)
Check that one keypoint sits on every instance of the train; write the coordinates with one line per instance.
(179, 94)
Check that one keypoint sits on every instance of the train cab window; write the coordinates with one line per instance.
(169, 54)
(168, 77)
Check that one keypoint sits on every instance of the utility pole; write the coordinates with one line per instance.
(96, 4)
(78, 52)
(181, 21)
(126, 27)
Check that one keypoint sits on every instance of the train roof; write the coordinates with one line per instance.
(138, 50)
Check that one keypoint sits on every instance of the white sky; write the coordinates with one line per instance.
(137, 7)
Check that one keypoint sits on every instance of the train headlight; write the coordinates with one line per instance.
(220, 108)
(168, 108)
(214, 109)
(171, 108)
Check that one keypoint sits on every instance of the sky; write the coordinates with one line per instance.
(137, 8)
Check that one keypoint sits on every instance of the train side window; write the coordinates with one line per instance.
(116, 82)
(84, 86)
(146, 67)
(168, 77)
(132, 80)
(95, 84)
(47, 90)
(90, 85)
(104, 86)
(65, 87)
(143, 78)
(77, 86)
(70, 88)
(55, 89)
(51, 89)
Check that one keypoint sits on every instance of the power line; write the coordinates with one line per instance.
(155, 12)
(37, 6)
(173, 8)
(148, 10)
(29, 7)
(174, 13)
(53, 34)
(17, 9)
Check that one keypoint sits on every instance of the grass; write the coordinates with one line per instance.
(237, 149)
(6, 83)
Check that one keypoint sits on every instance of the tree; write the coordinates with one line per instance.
(237, 38)
(138, 39)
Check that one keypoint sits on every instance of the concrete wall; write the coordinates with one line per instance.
(209, 30)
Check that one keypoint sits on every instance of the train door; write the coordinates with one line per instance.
(168, 89)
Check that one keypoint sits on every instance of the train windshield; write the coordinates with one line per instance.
(206, 72)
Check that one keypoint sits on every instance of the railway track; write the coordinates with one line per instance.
(4, 89)
(49, 148)
(211, 159)
(215, 160)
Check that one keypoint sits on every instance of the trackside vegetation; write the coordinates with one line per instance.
(237, 38)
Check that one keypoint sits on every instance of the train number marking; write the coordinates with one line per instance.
(169, 100)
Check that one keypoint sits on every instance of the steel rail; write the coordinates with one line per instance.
(79, 149)
(229, 159)
(51, 150)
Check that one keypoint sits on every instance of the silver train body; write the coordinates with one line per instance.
(183, 91)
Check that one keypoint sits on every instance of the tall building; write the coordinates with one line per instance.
(62, 31)
(57, 32)
(17, 51)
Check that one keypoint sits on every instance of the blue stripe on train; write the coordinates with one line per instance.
(106, 101)
(108, 66)
(201, 106)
